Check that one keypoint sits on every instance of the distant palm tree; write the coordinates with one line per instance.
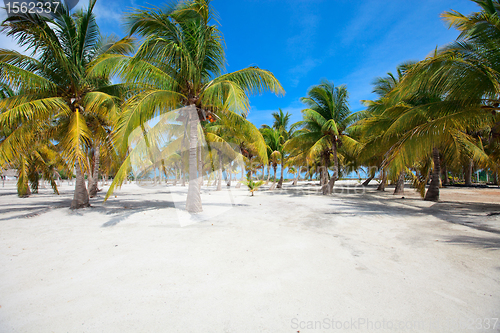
(275, 149)
(282, 125)
(180, 63)
(323, 128)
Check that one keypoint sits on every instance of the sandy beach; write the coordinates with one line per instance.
(281, 261)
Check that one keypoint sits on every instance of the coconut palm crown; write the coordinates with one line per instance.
(180, 63)
(323, 128)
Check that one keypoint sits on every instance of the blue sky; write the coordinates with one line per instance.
(303, 41)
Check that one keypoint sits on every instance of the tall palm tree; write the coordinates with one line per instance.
(372, 124)
(53, 87)
(180, 63)
(323, 129)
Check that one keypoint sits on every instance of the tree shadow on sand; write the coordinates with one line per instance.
(490, 243)
(479, 216)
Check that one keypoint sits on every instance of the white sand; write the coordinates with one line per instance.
(281, 261)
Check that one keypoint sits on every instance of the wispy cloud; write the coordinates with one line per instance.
(302, 69)
(109, 11)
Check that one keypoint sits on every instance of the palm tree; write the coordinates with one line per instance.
(253, 185)
(323, 129)
(281, 124)
(275, 149)
(463, 77)
(180, 63)
(372, 125)
(53, 88)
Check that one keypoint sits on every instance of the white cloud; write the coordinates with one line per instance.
(109, 11)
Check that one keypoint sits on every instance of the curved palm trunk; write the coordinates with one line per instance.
(81, 196)
(400, 185)
(383, 183)
(193, 201)
(433, 190)
(280, 183)
(95, 173)
(367, 181)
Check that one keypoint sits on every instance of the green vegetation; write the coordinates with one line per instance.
(253, 185)
(59, 111)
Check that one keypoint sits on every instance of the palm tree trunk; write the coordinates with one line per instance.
(433, 190)
(229, 173)
(219, 172)
(400, 185)
(446, 180)
(95, 173)
(322, 175)
(383, 183)
(367, 181)
(268, 173)
(280, 183)
(193, 201)
(468, 173)
(273, 186)
(200, 165)
(325, 182)
(81, 196)
(23, 186)
(335, 176)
